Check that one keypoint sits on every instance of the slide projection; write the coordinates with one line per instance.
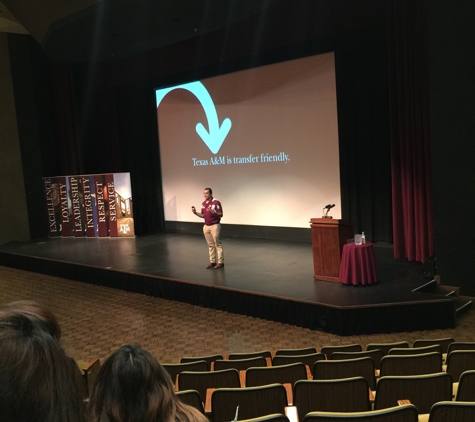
(264, 139)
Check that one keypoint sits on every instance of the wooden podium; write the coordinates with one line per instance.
(328, 238)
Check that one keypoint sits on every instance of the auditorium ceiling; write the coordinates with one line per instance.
(75, 31)
(78, 30)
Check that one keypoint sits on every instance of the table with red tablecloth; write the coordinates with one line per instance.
(358, 264)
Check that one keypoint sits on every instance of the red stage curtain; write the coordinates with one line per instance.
(409, 131)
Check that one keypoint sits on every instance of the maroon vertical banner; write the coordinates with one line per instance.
(76, 205)
(94, 204)
(85, 183)
(82, 208)
(52, 206)
(101, 204)
(113, 231)
(123, 201)
(65, 206)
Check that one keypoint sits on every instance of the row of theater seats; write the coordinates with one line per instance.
(338, 395)
(337, 378)
(440, 412)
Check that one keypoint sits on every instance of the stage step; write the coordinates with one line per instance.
(428, 287)
(447, 291)
(463, 303)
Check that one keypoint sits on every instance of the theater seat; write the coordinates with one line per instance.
(406, 413)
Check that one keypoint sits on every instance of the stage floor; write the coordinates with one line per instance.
(272, 269)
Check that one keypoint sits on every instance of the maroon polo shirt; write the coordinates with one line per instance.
(210, 218)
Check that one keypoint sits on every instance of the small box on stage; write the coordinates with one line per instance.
(328, 237)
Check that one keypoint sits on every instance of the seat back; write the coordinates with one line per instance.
(405, 413)
(240, 364)
(201, 381)
(452, 411)
(374, 354)
(460, 345)
(416, 350)
(253, 402)
(276, 417)
(336, 369)
(175, 368)
(443, 342)
(460, 361)
(466, 387)
(308, 360)
(422, 390)
(293, 352)
(89, 373)
(191, 398)
(239, 356)
(208, 359)
(386, 347)
(328, 350)
(276, 374)
(341, 395)
(427, 363)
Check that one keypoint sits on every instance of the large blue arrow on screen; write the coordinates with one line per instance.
(216, 134)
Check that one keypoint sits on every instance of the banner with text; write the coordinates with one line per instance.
(93, 205)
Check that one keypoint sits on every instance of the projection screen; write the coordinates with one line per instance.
(264, 139)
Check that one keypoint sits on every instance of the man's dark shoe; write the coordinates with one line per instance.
(219, 265)
(210, 265)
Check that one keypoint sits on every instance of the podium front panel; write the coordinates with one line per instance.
(328, 238)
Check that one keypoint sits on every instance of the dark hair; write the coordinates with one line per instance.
(210, 190)
(38, 381)
(133, 387)
(33, 311)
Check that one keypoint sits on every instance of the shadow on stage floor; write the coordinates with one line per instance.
(261, 278)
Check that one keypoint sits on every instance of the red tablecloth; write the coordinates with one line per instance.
(358, 265)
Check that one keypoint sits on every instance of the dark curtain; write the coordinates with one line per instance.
(85, 120)
(136, 121)
(68, 145)
(362, 87)
(409, 131)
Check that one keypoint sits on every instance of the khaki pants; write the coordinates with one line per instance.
(212, 236)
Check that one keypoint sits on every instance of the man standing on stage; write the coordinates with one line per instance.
(212, 212)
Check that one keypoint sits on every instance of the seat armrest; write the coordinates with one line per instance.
(403, 402)
(291, 413)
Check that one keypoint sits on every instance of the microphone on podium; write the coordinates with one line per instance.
(327, 208)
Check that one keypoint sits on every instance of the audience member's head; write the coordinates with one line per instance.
(132, 386)
(33, 311)
(38, 381)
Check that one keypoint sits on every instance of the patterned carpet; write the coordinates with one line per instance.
(95, 321)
